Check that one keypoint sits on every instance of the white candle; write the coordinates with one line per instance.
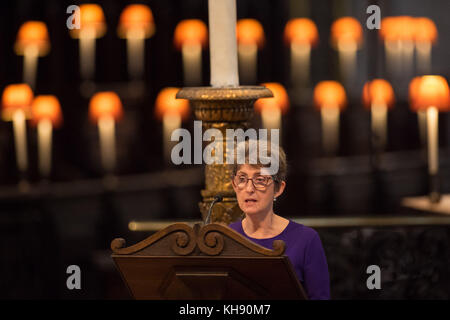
(106, 127)
(20, 139)
(300, 56)
(433, 140)
(248, 62)
(135, 53)
(423, 50)
(30, 59)
(271, 118)
(45, 146)
(330, 129)
(393, 51)
(223, 43)
(87, 53)
(379, 125)
(407, 58)
(192, 64)
(347, 60)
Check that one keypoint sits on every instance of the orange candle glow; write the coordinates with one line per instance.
(378, 96)
(425, 35)
(16, 104)
(346, 38)
(92, 26)
(32, 42)
(271, 109)
(190, 37)
(301, 35)
(330, 99)
(250, 37)
(136, 24)
(46, 114)
(397, 34)
(105, 108)
(171, 111)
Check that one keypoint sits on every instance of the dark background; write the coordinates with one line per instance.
(72, 218)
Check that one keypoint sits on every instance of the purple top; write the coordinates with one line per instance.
(304, 250)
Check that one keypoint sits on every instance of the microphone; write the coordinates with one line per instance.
(217, 198)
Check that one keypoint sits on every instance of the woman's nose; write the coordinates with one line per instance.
(249, 186)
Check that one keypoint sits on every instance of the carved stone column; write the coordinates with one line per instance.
(222, 109)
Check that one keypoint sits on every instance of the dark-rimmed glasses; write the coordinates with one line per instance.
(259, 182)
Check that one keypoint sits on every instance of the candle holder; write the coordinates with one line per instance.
(222, 108)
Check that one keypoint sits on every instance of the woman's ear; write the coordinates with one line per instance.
(232, 183)
(281, 187)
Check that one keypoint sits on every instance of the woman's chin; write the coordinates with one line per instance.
(251, 211)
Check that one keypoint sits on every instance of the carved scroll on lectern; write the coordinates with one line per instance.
(205, 262)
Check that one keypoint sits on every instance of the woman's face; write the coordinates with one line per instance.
(253, 200)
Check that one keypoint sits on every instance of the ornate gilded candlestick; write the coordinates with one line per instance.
(222, 108)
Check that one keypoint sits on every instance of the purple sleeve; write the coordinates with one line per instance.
(317, 279)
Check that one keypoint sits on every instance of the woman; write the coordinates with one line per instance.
(256, 192)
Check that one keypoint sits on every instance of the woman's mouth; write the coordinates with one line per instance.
(250, 201)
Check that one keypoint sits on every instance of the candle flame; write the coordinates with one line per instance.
(250, 32)
(301, 31)
(137, 20)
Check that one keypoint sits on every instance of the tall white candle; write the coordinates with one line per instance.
(192, 64)
(393, 57)
(433, 142)
(248, 62)
(379, 124)
(271, 118)
(135, 53)
(30, 60)
(423, 50)
(330, 129)
(20, 137)
(223, 43)
(300, 56)
(106, 127)
(347, 60)
(45, 146)
(87, 54)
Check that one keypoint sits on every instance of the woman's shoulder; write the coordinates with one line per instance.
(300, 230)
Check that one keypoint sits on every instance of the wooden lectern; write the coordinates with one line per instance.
(210, 262)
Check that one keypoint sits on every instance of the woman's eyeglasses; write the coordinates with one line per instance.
(259, 182)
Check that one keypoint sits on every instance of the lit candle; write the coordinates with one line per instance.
(105, 108)
(433, 96)
(46, 114)
(271, 109)
(32, 42)
(16, 103)
(301, 34)
(136, 24)
(92, 26)
(223, 44)
(346, 36)
(171, 111)
(378, 95)
(250, 37)
(397, 34)
(425, 35)
(190, 37)
(330, 98)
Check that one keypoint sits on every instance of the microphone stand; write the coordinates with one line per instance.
(217, 198)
